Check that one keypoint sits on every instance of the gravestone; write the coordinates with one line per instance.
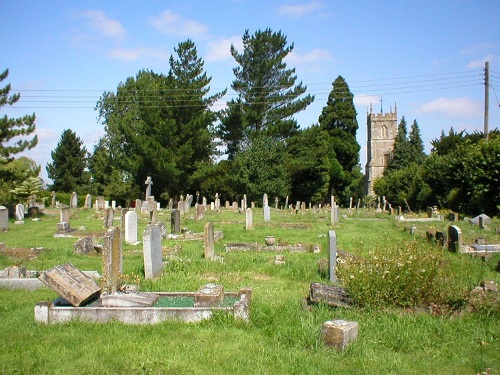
(53, 199)
(63, 226)
(73, 202)
(170, 204)
(267, 213)
(332, 255)
(153, 214)
(101, 204)
(209, 246)
(137, 208)
(112, 259)
(265, 201)
(84, 245)
(209, 295)
(131, 227)
(109, 217)
(199, 212)
(175, 221)
(204, 202)
(151, 240)
(71, 284)
(249, 219)
(148, 182)
(113, 205)
(286, 203)
(19, 212)
(163, 229)
(4, 219)
(454, 239)
(123, 212)
(88, 201)
(339, 333)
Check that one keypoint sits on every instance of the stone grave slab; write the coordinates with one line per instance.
(128, 299)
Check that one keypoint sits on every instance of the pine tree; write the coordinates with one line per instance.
(14, 127)
(416, 144)
(402, 154)
(266, 88)
(69, 159)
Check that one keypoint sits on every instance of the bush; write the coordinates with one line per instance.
(404, 276)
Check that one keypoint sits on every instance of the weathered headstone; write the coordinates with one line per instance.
(71, 284)
(209, 247)
(163, 229)
(454, 239)
(265, 201)
(84, 245)
(131, 227)
(73, 202)
(101, 203)
(4, 218)
(151, 240)
(53, 199)
(19, 212)
(112, 260)
(153, 213)
(199, 213)
(148, 182)
(113, 205)
(109, 217)
(339, 333)
(137, 208)
(332, 253)
(209, 295)
(249, 219)
(88, 201)
(175, 221)
(267, 213)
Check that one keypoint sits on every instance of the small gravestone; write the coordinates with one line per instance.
(73, 202)
(265, 201)
(267, 213)
(84, 245)
(131, 227)
(209, 243)
(53, 199)
(454, 239)
(249, 219)
(112, 260)
(88, 201)
(19, 212)
(339, 333)
(209, 295)
(151, 240)
(163, 229)
(71, 284)
(101, 203)
(175, 221)
(199, 212)
(332, 252)
(4, 219)
(138, 205)
(109, 217)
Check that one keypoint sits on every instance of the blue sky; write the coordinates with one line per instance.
(426, 56)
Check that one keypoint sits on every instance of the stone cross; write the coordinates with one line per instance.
(148, 182)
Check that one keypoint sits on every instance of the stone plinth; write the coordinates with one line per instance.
(71, 284)
(339, 333)
(209, 295)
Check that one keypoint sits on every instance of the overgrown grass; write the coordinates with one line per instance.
(283, 335)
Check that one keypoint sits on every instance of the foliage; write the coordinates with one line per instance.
(161, 126)
(13, 173)
(262, 170)
(268, 93)
(11, 128)
(338, 120)
(403, 276)
(416, 144)
(401, 153)
(29, 188)
(69, 159)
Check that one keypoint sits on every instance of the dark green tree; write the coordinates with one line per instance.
(267, 89)
(14, 127)
(161, 126)
(338, 120)
(401, 156)
(416, 144)
(69, 159)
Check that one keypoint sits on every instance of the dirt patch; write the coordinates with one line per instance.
(20, 254)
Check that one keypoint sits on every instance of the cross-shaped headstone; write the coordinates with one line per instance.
(148, 182)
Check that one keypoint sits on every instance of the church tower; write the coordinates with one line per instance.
(382, 131)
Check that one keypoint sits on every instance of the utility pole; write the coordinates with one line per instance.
(486, 97)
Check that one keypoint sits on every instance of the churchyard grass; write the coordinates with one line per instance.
(284, 334)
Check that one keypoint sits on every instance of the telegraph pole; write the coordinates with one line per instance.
(486, 97)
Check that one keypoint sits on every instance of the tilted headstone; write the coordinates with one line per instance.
(84, 245)
(209, 241)
(151, 240)
(163, 229)
(4, 218)
(332, 255)
(112, 260)
(73, 202)
(454, 239)
(175, 221)
(19, 212)
(131, 227)
(249, 219)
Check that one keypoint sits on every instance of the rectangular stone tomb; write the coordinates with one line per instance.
(168, 306)
(71, 284)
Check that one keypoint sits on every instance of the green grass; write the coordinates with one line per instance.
(283, 335)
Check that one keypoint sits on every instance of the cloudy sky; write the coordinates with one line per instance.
(426, 56)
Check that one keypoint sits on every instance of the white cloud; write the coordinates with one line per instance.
(453, 107)
(314, 56)
(366, 100)
(105, 26)
(133, 54)
(219, 50)
(478, 48)
(300, 9)
(169, 22)
(479, 63)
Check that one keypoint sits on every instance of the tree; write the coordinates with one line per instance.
(14, 127)
(69, 159)
(161, 126)
(401, 155)
(416, 144)
(28, 189)
(268, 93)
(13, 173)
(338, 120)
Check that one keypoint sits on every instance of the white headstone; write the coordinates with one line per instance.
(131, 227)
(249, 219)
(153, 263)
(267, 213)
(73, 202)
(19, 212)
(4, 218)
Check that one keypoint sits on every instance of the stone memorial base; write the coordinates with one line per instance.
(339, 333)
